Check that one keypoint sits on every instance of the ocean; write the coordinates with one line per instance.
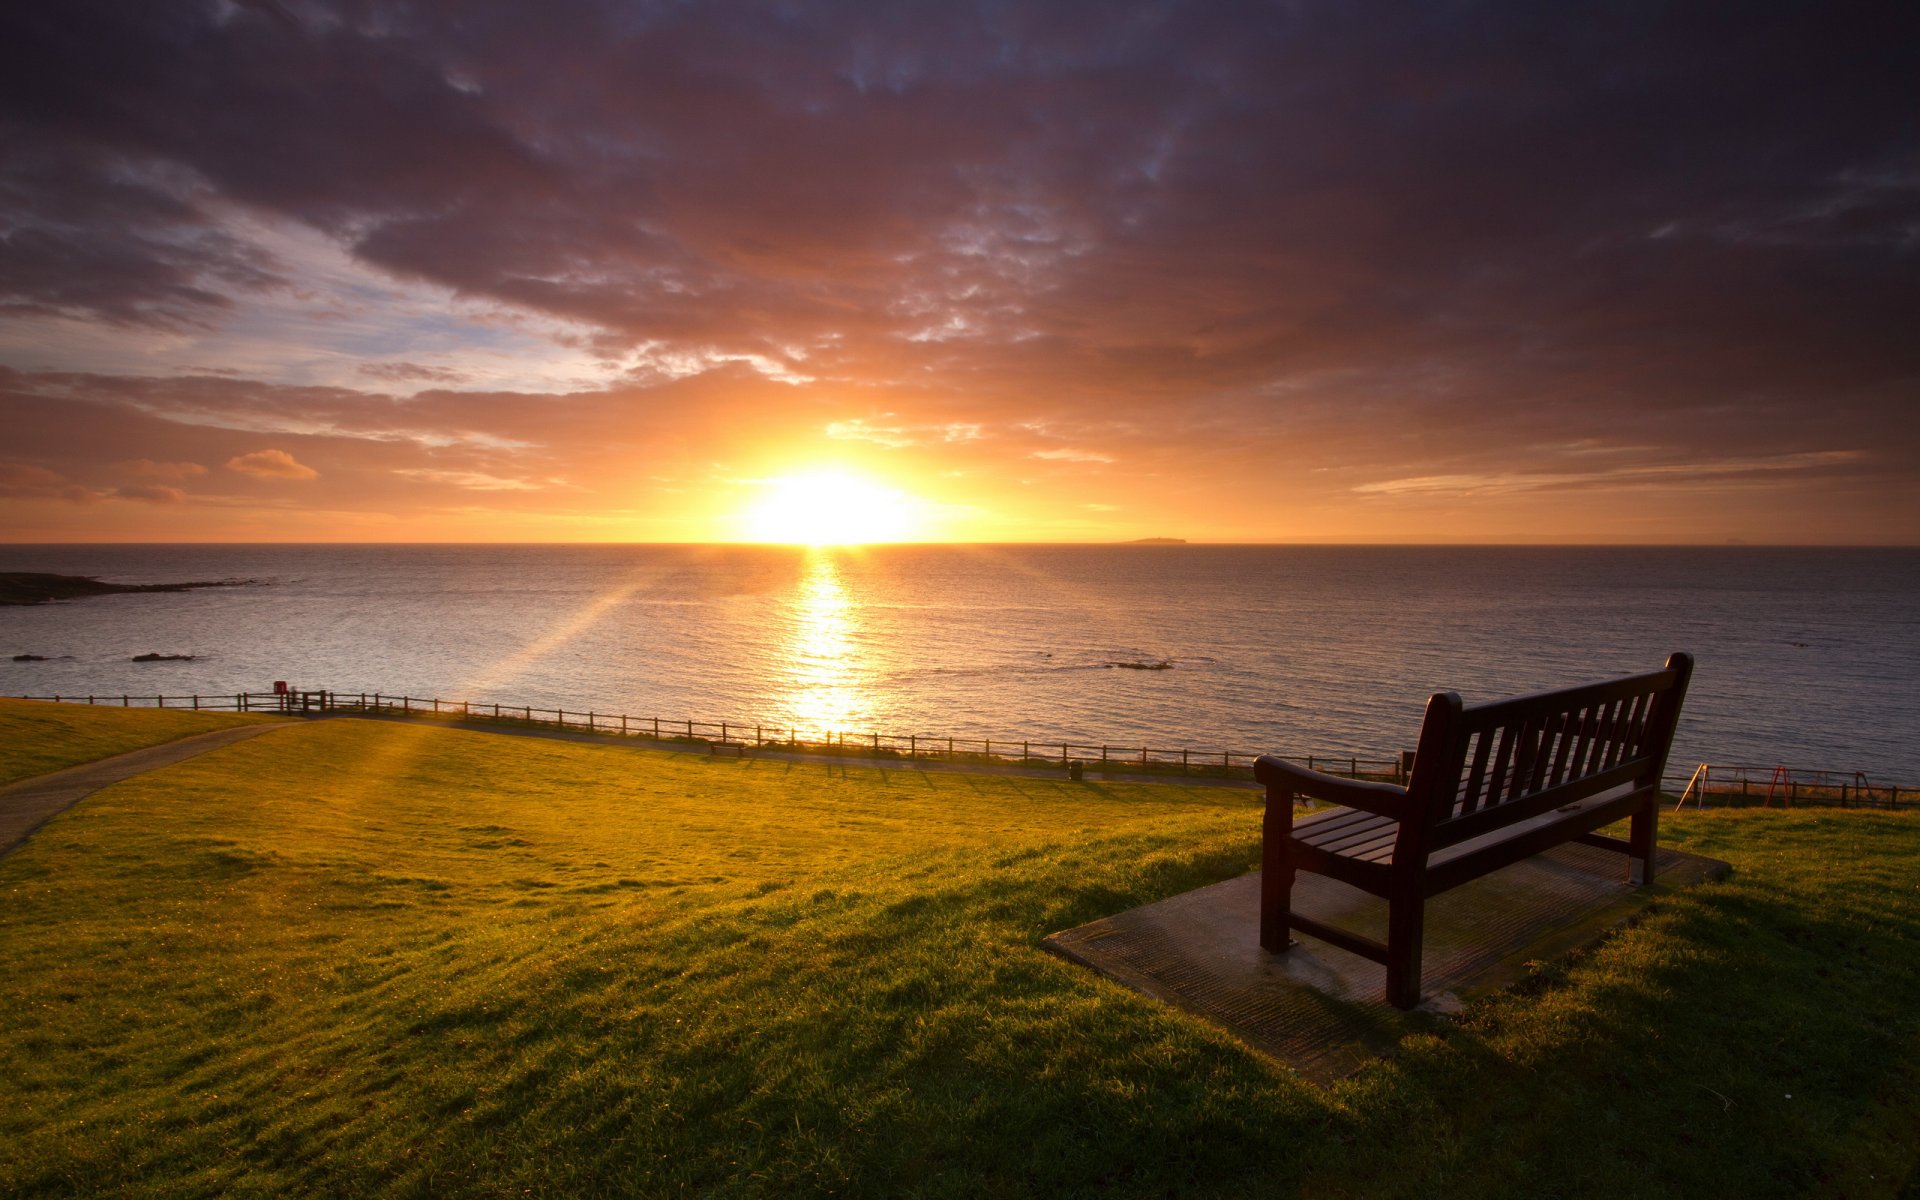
(1807, 657)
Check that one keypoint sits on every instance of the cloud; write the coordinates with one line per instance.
(21, 481)
(162, 472)
(431, 249)
(474, 480)
(408, 372)
(152, 493)
(1703, 472)
(271, 464)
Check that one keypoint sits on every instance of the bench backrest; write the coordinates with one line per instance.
(1483, 768)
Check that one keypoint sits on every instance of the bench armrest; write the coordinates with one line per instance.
(1381, 799)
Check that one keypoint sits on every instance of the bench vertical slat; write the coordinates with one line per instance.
(1572, 732)
(1502, 764)
(1583, 746)
(1625, 737)
(1623, 731)
(1529, 750)
(1477, 775)
(1567, 728)
(1603, 724)
(1551, 747)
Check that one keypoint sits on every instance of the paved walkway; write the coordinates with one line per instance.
(26, 804)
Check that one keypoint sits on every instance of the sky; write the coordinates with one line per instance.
(634, 271)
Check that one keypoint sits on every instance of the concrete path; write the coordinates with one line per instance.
(26, 805)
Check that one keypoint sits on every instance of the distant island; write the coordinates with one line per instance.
(29, 587)
(1158, 542)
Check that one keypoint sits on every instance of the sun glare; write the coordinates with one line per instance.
(832, 508)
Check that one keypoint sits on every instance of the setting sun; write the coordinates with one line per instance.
(833, 508)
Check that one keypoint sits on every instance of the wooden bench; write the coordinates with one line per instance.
(1491, 785)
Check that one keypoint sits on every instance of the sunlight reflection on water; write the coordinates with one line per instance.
(823, 684)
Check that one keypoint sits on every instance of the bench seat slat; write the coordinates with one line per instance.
(1343, 836)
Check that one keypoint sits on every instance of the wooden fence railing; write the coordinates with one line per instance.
(1236, 764)
(1716, 783)
(1767, 786)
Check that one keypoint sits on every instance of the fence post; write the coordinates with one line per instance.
(196, 702)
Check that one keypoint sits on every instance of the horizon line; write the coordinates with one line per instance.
(1140, 543)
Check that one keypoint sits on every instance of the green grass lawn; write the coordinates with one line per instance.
(37, 736)
(360, 958)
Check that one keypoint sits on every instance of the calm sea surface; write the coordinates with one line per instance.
(1806, 657)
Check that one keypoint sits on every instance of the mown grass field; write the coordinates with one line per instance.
(355, 958)
(39, 737)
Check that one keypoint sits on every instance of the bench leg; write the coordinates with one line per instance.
(1641, 831)
(1276, 901)
(1406, 917)
(1276, 872)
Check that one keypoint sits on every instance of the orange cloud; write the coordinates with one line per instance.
(162, 472)
(155, 493)
(19, 481)
(271, 464)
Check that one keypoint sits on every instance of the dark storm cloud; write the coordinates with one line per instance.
(1471, 228)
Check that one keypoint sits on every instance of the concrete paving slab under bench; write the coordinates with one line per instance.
(1322, 1010)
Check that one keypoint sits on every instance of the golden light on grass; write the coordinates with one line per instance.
(833, 507)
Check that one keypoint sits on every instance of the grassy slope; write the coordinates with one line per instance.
(37, 736)
(370, 958)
